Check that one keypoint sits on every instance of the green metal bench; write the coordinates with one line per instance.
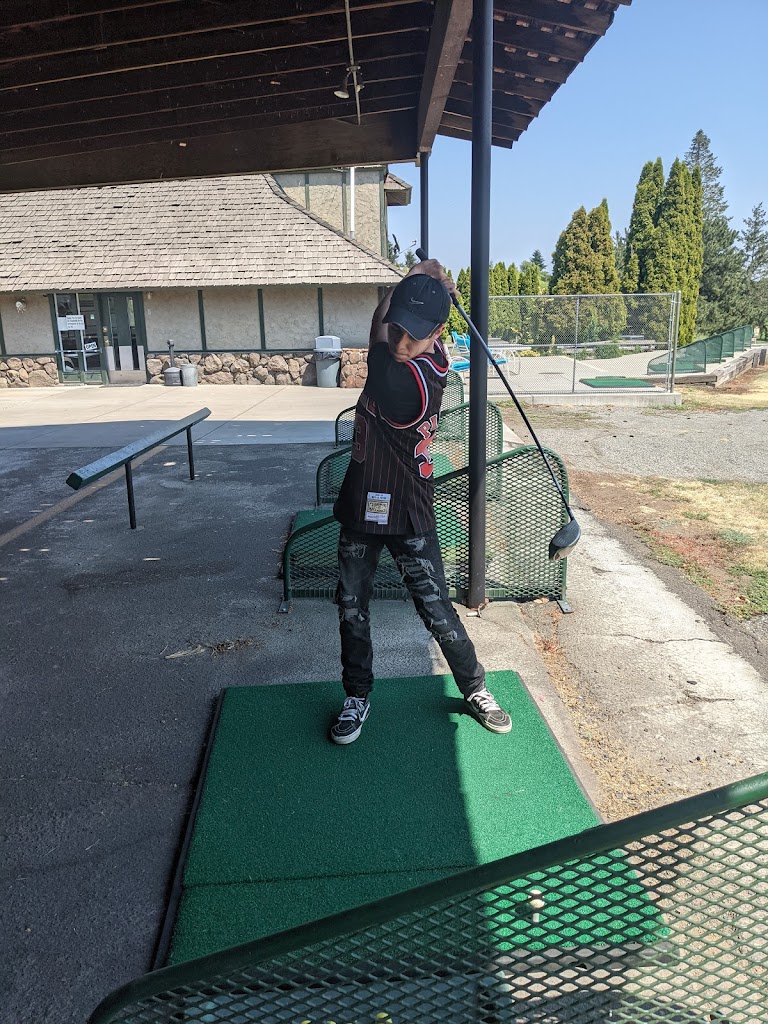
(124, 457)
(453, 395)
(660, 917)
(523, 511)
(451, 440)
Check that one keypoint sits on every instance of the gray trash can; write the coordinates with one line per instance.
(327, 360)
(172, 376)
(327, 370)
(188, 375)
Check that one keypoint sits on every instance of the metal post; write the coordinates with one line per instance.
(189, 453)
(131, 502)
(424, 199)
(576, 346)
(674, 327)
(482, 60)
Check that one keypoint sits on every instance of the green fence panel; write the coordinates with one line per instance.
(690, 359)
(523, 512)
(714, 349)
(451, 440)
(453, 395)
(660, 918)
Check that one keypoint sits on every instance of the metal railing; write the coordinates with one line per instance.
(658, 919)
(568, 344)
(124, 457)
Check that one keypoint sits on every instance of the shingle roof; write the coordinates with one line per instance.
(197, 233)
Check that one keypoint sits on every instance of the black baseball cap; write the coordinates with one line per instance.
(418, 304)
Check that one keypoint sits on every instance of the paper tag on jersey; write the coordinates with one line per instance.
(377, 508)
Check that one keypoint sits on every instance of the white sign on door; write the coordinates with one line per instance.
(71, 322)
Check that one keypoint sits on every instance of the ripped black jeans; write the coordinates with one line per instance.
(421, 565)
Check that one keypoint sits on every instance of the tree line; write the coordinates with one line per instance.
(679, 238)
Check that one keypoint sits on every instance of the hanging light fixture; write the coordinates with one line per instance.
(353, 70)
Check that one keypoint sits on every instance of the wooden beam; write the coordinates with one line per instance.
(256, 94)
(464, 122)
(548, 44)
(225, 116)
(552, 12)
(501, 118)
(450, 28)
(385, 138)
(508, 83)
(207, 46)
(466, 136)
(518, 104)
(280, 65)
(168, 21)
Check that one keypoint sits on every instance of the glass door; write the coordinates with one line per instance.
(77, 324)
(124, 346)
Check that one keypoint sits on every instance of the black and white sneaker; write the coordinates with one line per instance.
(488, 712)
(350, 722)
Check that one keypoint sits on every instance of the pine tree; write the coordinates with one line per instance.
(724, 290)
(754, 244)
(650, 186)
(538, 259)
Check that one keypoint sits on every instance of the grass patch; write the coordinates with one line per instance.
(714, 532)
(744, 394)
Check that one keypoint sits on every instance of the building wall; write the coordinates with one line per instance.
(347, 312)
(291, 317)
(327, 194)
(30, 331)
(232, 318)
(172, 313)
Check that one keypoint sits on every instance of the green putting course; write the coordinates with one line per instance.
(292, 828)
(615, 382)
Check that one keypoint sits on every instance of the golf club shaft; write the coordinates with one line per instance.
(476, 334)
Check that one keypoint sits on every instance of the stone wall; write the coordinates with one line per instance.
(240, 367)
(354, 368)
(28, 372)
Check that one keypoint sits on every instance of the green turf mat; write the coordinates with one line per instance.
(424, 792)
(615, 382)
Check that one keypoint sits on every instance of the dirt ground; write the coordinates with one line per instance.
(701, 533)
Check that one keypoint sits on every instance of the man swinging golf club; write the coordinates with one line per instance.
(387, 497)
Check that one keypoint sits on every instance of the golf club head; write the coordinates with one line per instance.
(565, 540)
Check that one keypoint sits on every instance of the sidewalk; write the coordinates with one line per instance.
(119, 640)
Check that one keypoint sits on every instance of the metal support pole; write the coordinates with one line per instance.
(424, 199)
(189, 453)
(482, 71)
(576, 346)
(131, 502)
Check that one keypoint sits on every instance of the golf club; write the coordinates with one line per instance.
(568, 536)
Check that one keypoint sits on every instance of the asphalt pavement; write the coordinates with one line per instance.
(117, 642)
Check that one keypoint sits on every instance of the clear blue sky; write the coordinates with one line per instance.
(665, 69)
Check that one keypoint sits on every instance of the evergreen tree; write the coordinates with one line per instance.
(573, 261)
(599, 226)
(641, 229)
(724, 290)
(700, 155)
(620, 249)
(455, 319)
(538, 259)
(530, 282)
(754, 244)
(513, 285)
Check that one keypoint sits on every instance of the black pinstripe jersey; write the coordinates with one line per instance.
(388, 487)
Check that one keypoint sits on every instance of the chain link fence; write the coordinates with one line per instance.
(658, 919)
(567, 344)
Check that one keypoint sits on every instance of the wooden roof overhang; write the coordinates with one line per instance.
(100, 91)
